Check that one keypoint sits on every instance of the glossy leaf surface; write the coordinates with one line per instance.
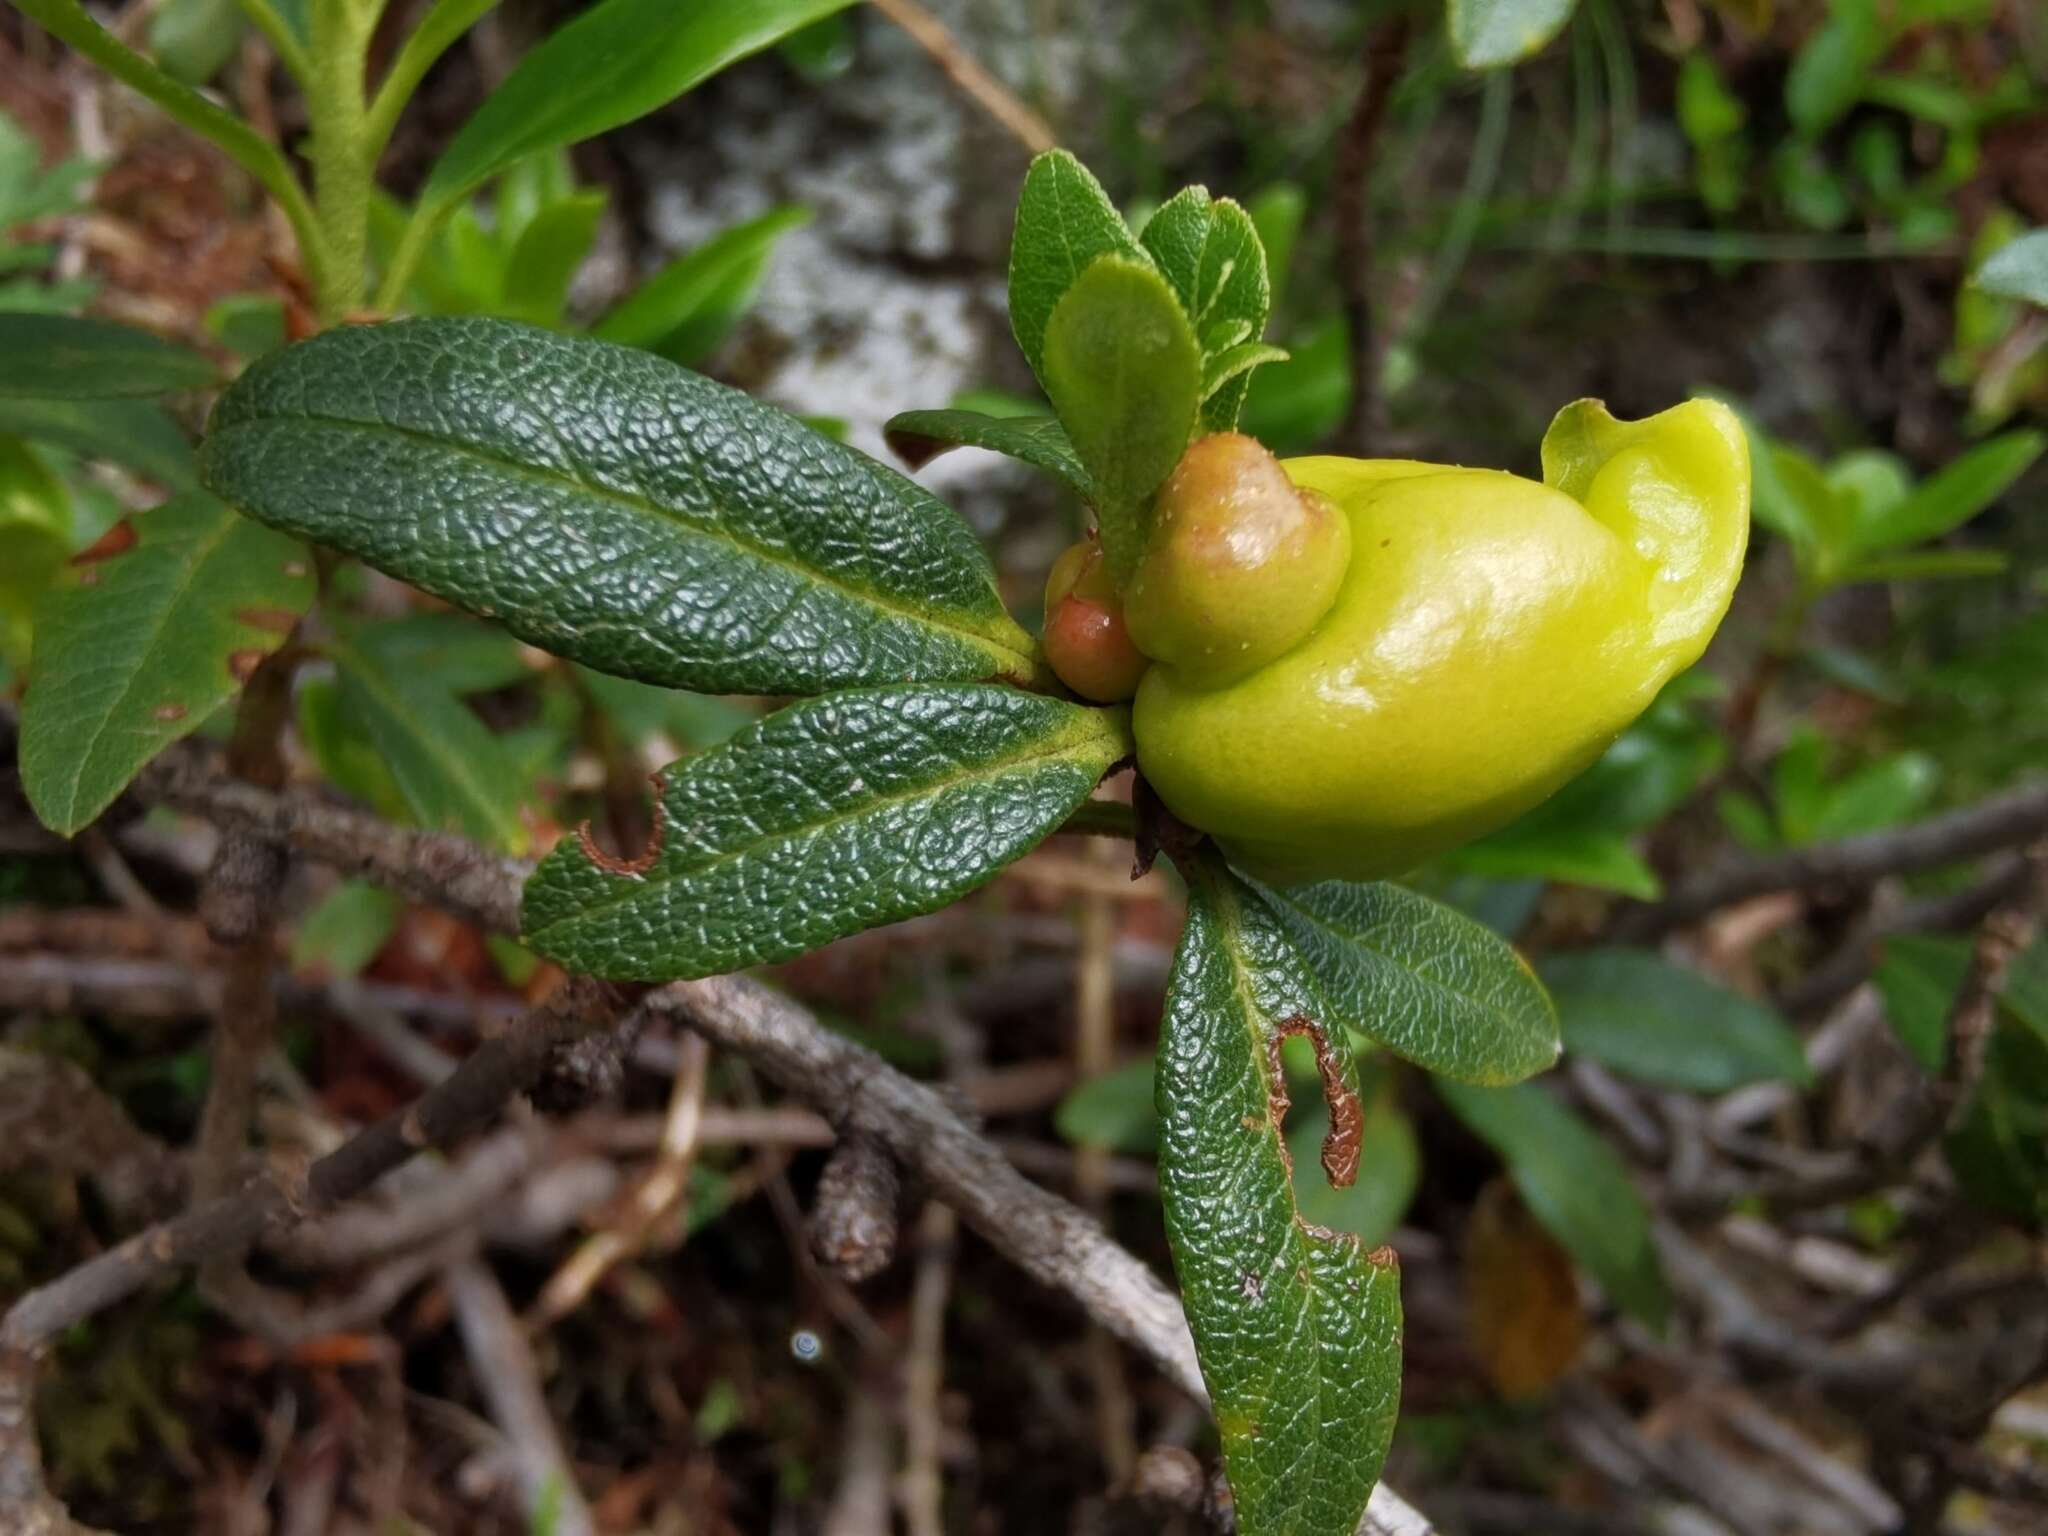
(1298, 1328)
(835, 815)
(1422, 979)
(612, 508)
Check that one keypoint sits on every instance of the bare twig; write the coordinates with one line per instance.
(656, 1196)
(510, 1382)
(2009, 821)
(965, 71)
(924, 1374)
(1386, 49)
(464, 1103)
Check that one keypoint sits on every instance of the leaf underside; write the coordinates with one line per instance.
(1298, 1329)
(832, 816)
(612, 508)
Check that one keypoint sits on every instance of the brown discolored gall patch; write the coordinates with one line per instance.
(117, 540)
(634, 866)
(276, 620)
(242, 665)
(1347, 1116)
(168, 712)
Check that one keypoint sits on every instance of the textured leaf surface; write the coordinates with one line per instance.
(1212, 254)
(1423, 980)
(144, 644)
(1574, 1184)
(918, 437)
(616, 61)
(1661, 1023)
(832, 816)
(67, 357)
(1486, 34)
(1064, 221)
(132, 433)
(612, 508)
(455, 775)
(1298, 1329)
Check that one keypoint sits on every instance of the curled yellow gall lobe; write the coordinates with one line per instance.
(1489, 637)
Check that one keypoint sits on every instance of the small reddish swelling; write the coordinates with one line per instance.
(1086, 642)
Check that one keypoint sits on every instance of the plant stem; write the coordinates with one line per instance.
(438, 29)
(67, 21)
(284, 42)
(344, 159)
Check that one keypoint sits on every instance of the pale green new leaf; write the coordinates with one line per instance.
(140, 647)
(1064, 222)
(689, 306)
(1212, 255)
(832, 816)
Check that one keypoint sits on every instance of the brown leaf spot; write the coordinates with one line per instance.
(295, 569)
(117, 540)
(242, 665)
(88, 577)
(277, 620)
(634, 866)
(1347, 1116)
(168, 712)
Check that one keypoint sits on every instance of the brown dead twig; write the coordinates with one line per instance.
(965, 71)
(1050, 1239)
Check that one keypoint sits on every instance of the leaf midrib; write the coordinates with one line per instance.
(181, 590)
(367, 673)
(1315, 921)
(633, 886)
(1300, 1240)
(1022, 663)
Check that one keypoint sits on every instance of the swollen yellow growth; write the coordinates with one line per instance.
(1490, 636)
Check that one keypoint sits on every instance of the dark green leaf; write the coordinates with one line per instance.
(687, 308)
(1294, 405)
(612, 508)
(619, 60)
(1949, 499)
(1423, 980)
(1064, 222)
(65, 357)
(1662, 1024)
(2017, 270)
(1115, 1111)
(144, 645)
(455, 775)
(918, 437)
(1211, 253)
(1919, 976)
(1572, 1183)
(1486, 34)
(1298, 1328)
(832, 816)
(132, 433)
(1125, 374)
(1601, 860)
(1880, 795)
